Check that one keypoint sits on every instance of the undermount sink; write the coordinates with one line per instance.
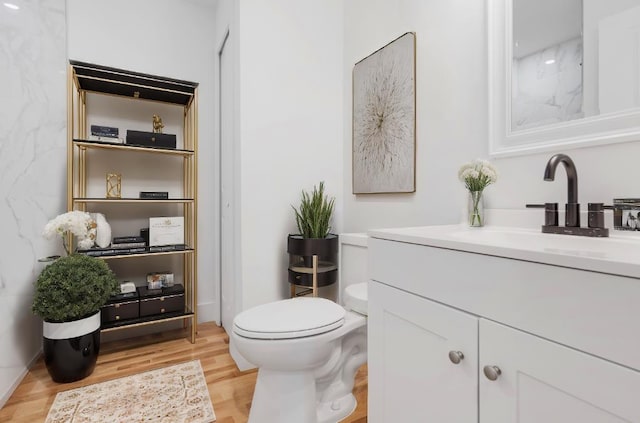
(618, 255)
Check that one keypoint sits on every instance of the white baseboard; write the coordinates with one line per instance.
(6, 395)
(207, 312)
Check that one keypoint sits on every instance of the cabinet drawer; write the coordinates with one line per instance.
(161, 305)
(119, 311)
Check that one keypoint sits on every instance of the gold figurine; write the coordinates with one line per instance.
(114, 185)
(157, 124)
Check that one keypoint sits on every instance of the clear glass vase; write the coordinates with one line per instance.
(475, 209)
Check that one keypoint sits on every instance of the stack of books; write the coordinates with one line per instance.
(133, 242)
(105, 134)
(130, 245)
(119, 245)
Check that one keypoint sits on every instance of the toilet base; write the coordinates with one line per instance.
(337, 410)
(284, 397)
(290, 397)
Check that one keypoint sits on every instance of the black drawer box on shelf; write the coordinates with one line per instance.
(151, 139)
(161, 301)
(120, 307)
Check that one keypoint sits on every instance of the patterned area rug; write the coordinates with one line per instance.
(176, 394)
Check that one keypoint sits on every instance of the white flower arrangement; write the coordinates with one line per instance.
(77, 222)
(477, 175)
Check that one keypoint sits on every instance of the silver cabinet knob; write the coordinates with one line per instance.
(456, 356)
(492, 372)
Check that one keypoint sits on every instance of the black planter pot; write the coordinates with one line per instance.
(301, 251)
(323, 247)
(71, 348)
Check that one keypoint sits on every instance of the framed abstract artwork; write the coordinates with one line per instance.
(384, 119)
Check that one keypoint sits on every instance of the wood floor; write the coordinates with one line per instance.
(230, 389)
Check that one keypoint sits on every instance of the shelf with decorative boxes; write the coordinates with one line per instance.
(145, 306)
(117, 101)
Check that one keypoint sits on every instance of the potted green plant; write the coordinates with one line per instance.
(68, 295)
(313, 218)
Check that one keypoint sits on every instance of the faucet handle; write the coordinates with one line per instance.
(550, 212)
(595, 216)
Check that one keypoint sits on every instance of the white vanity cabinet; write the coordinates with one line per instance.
(542, 381)
(411, 378)
(561, 343)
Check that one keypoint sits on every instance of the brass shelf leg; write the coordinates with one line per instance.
(315, 275)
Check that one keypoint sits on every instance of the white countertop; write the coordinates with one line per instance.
(618, 254)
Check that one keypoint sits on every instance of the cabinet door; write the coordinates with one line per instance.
(411, 377)
(542, 381)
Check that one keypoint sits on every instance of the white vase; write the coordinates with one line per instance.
(475, 209)
(103, 230)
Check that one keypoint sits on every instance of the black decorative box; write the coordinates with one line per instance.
(120, 307)
(150, 139)
(161, 301)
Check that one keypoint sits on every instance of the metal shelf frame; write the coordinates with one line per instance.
(86, 77)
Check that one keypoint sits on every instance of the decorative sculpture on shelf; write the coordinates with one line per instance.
(157, 124)
(114, 185)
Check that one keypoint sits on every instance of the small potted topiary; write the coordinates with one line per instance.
(68, 295)
(313, 218)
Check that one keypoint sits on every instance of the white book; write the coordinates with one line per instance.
(106, 139)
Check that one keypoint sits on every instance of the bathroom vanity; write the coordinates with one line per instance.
(502, 325)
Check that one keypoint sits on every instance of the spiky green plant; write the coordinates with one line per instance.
(314, 213)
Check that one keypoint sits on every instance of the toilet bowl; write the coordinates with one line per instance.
(307, 351)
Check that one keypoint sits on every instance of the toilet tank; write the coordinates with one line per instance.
(352, 266)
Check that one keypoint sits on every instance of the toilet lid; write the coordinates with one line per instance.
(356, 298)
(286, 319)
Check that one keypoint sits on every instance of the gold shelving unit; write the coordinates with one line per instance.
(86, 78)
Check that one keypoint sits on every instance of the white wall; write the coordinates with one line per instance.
(291, 128)
(604, 173)
(158, 37)
(32, 170)
(452, 122)
(451, 104)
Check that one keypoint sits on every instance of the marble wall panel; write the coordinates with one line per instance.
(32, 168)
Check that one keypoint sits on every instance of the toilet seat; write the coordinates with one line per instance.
(288, 319)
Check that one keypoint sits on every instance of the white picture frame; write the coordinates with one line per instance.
(166, 231)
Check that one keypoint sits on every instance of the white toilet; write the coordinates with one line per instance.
(308, 350)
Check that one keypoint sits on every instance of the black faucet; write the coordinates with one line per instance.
(572, 208)
(572, 216)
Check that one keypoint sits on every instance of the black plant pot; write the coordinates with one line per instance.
(71, 348)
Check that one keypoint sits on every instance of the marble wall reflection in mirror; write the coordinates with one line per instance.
(563, 73)
(546, 77)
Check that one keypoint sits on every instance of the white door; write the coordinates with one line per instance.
(227, 160)
(541, 381)
(411, 375)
